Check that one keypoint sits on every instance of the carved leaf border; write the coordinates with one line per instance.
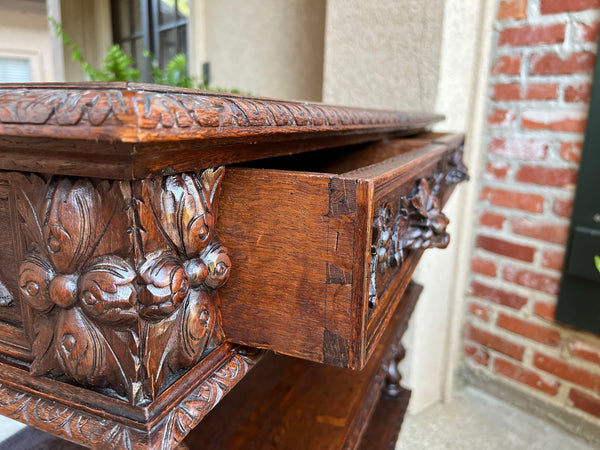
(79, 426)
(151, 110)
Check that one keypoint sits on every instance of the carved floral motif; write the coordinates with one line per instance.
(122, 288)
(81, 291)
(183, 266)
(418, 223)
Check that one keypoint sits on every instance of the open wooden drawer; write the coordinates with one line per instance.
(318, 242)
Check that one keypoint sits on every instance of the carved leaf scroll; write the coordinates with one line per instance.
(178, 112)
(62, 107)
(70, 422)
(181, 420)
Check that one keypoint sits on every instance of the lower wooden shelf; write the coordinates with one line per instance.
(287, 403)
(384, 425)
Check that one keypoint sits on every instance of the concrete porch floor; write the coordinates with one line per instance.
(474, 420)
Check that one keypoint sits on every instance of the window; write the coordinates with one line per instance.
(14, 70)
(159, 26)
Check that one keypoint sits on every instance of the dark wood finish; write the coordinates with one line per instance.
(131, 131)
(124, 302)
(322, 248)
(67, 411)
(286, 403)
(120, 279)
(384, 425)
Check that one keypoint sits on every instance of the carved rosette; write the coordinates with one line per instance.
(121, 289)
(414, 222)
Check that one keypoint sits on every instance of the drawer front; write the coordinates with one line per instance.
(408, 220)
(306, 282)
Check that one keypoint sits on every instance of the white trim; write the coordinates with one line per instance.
(474, 152)
(53, 11)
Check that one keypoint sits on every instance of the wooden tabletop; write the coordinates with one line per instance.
(132, 130)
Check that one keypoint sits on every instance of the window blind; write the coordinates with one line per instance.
(14, 70)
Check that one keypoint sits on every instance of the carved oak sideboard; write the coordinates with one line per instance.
(157, 241)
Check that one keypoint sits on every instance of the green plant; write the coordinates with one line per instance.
(118, 65)
(174, 74)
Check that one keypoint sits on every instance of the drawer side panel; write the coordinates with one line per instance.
(290, 237)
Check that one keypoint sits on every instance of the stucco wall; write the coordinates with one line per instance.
(383, 54)
(268, 47)
(24, 33)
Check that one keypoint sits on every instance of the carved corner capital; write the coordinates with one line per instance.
(121, 278)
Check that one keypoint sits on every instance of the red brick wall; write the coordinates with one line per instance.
(542, 63)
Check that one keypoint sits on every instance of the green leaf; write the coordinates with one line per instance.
(119, 66)
(597, 262)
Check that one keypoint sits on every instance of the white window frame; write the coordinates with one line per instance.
(34, 58)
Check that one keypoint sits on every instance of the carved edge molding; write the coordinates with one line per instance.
(121, 278)
(180, 421)
(146, 110)
(82, 427)
(413, 222)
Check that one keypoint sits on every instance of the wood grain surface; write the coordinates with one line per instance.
(304, 241)
(129, 130)
(385, 423)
